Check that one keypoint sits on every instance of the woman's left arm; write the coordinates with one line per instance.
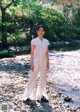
(47, 56)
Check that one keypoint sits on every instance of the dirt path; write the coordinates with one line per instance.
(63, 83)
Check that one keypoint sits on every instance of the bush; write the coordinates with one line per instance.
(61, 25)
(52, 18)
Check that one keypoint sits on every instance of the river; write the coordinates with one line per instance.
(63, 78)
(65, 72)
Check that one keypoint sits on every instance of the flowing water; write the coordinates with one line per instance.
(65, 72)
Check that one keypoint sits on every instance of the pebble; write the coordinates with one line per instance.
(14, 77)
(22, 110)
(11, 95)
(68, 99)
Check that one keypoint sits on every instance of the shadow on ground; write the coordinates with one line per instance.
(44, 107)
(11, 65)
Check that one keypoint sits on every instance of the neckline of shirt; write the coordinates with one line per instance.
(40, 39)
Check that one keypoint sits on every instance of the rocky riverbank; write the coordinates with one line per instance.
(63, 83)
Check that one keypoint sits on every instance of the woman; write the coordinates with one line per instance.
(39, 64)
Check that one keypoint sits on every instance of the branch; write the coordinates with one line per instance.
(9, 4)
(1, 7)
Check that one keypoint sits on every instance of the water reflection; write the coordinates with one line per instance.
(70, 47)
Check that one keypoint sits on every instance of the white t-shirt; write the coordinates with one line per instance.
(40, 50)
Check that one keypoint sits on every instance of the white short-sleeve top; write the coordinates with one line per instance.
(40, 49)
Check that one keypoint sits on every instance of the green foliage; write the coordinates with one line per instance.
(52, 18)
(72, 13)
(25, 15)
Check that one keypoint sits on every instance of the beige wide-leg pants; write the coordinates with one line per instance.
(41, 89)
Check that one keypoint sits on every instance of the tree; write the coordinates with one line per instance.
(3, 27)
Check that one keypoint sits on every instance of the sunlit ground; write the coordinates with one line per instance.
(63, 77)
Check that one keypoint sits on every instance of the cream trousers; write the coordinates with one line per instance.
(41, 89)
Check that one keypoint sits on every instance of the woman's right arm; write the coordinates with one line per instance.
(32, 55)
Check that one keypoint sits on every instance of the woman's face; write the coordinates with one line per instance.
(40, 32)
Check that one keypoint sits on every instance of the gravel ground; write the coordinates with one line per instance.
(63, 83)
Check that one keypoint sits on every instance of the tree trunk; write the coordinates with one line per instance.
(4, 36)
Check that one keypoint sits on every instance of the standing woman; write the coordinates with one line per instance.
(39, 64)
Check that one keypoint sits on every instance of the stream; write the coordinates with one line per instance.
(65, 72)
(63, 80)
